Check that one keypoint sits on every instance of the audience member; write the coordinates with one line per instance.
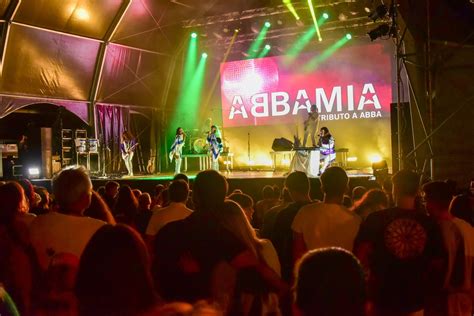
(234, 219)
(330, 282)
(297, 184)
(254, 296)
(136, 193)
(17, 259)
(246, 203)
(387, 187)
(462, 206)
(98, 209)
(126, 206)
(327, 224)
(66, 231)
(454, 298)
(357, 193)
(157, 198)
(111, 191)
(372, 201)
(188, 251)
(114, 274)
(271, 215)
(402, 250)
(43, 206)
(176, 210)
(144, 213)
(101, 191)
(261, 207)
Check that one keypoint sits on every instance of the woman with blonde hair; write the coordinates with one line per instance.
(254, 293)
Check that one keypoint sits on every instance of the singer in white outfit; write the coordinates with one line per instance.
(176, 151)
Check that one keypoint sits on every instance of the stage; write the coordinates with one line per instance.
(250, 182)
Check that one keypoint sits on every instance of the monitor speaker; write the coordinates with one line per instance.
(282, 144)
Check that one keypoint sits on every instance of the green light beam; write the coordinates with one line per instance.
(299, 45)
(314, 63)
(264, 51)
(257, 43)
(291, 8)
(313, 15)
(190, 62)
(192, 98)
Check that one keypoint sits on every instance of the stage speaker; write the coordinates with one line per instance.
(406, 132)
(94, 163)
(282, 144)
(46, 152)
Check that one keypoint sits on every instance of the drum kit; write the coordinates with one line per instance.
(197, 143)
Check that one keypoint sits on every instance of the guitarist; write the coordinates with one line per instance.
(128, 145)
(311, 126)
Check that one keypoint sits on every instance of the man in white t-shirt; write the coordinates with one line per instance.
(327, 224)
(66, 231)
(178, 192)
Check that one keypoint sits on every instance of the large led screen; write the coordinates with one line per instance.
(270, 98)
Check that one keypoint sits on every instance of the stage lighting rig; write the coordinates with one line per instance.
(379, 13)
(379, 31)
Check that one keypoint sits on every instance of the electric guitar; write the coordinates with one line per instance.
(131, 149)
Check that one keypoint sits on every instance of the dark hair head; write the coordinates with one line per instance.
(159, 188)
(330, 282)
(242, 199)
(406, 183)
(13, 200)
(178, 191)
(325, 129)
(111, 185)
(114, 279)
(438, 192)
(334, 181)
(126, 203)
(209, 191)
(267, 192)
(29, 190)
(358, 192)
(98, 209)
(297, 181)
(213, 126)
(370, 200)
(177, 130)
(181, 176)
(126, 135)
(462, 206)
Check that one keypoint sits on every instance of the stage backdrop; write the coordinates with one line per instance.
(268, 98)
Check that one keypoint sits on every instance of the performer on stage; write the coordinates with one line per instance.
(128, 145)
(311, 125)
(327, 148)
(215, 147)
(177, 149)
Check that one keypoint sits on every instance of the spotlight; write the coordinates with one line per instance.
(33, 172)
(348, 36)
(381, 30)
(194, 35)
(268, 24)
(268, 47)
(325, 16)
(204, 55)
(236, 31)
(379, 13)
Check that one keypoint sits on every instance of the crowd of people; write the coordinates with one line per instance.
(404, 248)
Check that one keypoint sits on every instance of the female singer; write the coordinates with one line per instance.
(215, 147)
(327, 148)
(177, 149)
(128, 145)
